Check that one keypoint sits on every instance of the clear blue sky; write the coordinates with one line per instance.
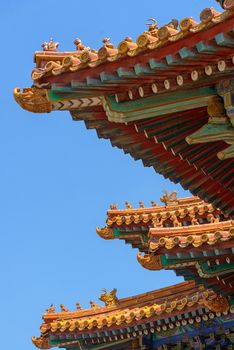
(57, 179)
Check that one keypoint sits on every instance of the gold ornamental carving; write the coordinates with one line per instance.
(33, 99)
(169, 198)
(218, 304)
(50, 309)
(50, 46)
(106, 233)
(41, 342)
(109, 298)
(63, 308)
(150, 261)
(93, 305)
(215, 107)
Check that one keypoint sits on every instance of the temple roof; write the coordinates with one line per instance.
(157, 310)
(183, 216)
(166, 99)
(150, 98)
(186, 235)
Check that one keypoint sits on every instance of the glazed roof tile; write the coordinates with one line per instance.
(195, 236)
(185, 215)
(166, 302)
(179, 207)
(178, 236)
(50, 62)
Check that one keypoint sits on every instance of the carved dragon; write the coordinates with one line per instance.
(150, 261)
(217, 304)
(105, 232)
(41, 342)
(33, 99)
(169, 198)
(110, 299)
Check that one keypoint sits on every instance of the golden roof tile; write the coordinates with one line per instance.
(174, 211)
(197, 235)
(152, 39)
(143, 308)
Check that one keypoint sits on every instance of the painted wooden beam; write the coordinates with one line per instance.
(104, 76)
(124, 72)
(203, 47)
(224, 39)
(157, 64)
(143, 69)
(212, 132)
(188, 53)
(226, 153)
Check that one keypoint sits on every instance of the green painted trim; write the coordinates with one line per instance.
(216, 270)
(64, 94)
(203, 47)
(116, 232)
(223, 39)
(160, 100)
(153, 106)
(56, 96)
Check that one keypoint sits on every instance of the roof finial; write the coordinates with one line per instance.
(128, 205)
(107, 43)
(152, 27)
(109, 298)
(173, 23)
(93, 305)
(79, 45)
(50, 46)
(154, 204)
(50, 309)
(169, 198)
(78, 306)
(63, 308)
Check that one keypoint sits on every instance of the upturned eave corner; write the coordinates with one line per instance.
(105, 232)
(150, 261)
(33, 99)
(41, 342)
